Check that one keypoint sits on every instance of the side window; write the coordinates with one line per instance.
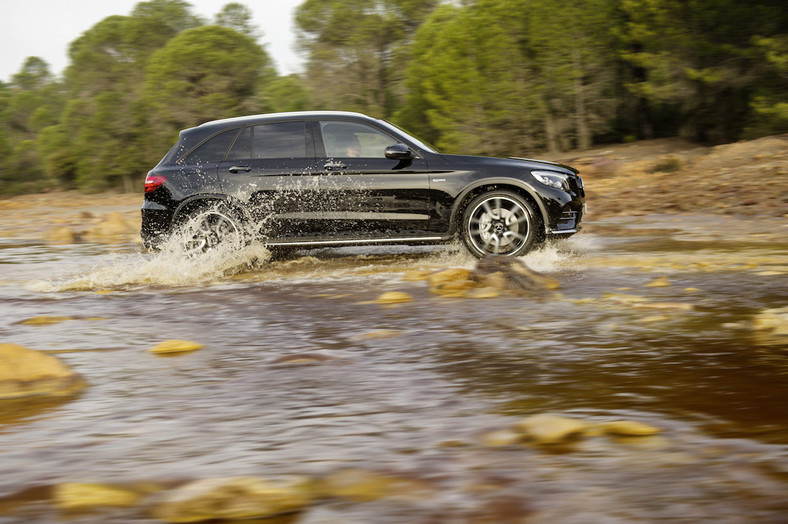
(213, 150)
(281, 140)
(348, 139)
(242, 148)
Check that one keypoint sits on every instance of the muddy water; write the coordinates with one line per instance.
(303, 374)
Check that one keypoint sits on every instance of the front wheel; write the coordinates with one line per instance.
(206, 229)
(499, 223)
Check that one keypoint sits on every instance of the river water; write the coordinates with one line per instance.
(303, 373)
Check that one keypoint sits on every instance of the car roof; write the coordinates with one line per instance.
(289, 115)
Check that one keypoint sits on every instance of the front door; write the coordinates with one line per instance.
(366, 195)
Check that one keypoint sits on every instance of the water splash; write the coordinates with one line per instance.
(173, 266)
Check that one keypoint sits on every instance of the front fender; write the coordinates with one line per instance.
(512, 184)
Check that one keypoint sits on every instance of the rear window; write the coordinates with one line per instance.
(213, 150)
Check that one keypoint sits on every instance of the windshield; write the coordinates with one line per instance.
(422, 145)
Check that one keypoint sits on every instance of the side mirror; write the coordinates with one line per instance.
(399, 152)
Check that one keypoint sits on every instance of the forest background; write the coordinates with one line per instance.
(490, 77)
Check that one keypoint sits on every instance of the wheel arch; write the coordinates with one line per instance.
(471, 192)
(205, 200)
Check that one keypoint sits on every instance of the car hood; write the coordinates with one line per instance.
(511, 162)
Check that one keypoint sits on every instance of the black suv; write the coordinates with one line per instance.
(310, 179)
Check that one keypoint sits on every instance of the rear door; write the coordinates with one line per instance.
(364, 194)
(272, 168)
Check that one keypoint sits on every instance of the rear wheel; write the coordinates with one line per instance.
(208, 228)
(499, 223)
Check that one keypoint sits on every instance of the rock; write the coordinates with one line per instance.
(304, 358)
(550, 429)
(25, 372)
(175, 346)
(72, 495)
(44, 320)
(501, 437)
(61, 235)
(774, 320)
(659, 282)
(629, 428)
(503, 272)
(112, 229)
(360, 485)
(230, 498)
(394, 297)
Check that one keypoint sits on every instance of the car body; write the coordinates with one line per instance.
(308, 179)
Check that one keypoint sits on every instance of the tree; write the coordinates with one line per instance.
(239, 17)
(354, 48)
(203, 74)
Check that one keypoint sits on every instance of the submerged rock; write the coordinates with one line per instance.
(512, 274)
(361, 485)
(550, 429)
(25, 372)
(230, 498)
(774, 320)
(74, 495)
(394, 297)
(112, 228)
(175, 346)
(629, 428)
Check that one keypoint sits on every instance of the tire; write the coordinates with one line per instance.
(500, 223)
(208, 228)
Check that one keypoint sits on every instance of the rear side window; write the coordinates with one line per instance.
(212, 151)
(280, 140)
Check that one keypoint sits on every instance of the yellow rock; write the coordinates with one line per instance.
(61, 235)
(394, 297)
(501, 437)
(362, 485)
(175, 346)
(230, 498)
(25, 372)
(44, 320)
(72, 495)
(629, 428)
(550, 429)
(659, 282)
(114, 227)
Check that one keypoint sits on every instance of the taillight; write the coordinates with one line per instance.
(153, 182)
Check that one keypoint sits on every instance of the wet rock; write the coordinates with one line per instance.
(25, 372)
(231, 499)
(659, 282)
(773, 320)
(304, 358)
(360, 485)
(75, 496)
(550, 429)
(452, 282)
(500, 437)
(629, 428)
(44, 320)
(175, 346)
(394, 297)
(62, 235)
(113, 228)
(501, 272)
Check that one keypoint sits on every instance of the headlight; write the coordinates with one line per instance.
(551, 179)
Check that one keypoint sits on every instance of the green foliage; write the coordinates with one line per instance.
(202, 73)
(501, 77)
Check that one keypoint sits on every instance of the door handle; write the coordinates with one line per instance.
(330, 166)
(236, 169)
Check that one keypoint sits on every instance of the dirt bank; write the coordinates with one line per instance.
(670, 176)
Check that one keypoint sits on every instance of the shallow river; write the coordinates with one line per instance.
(303, 373)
